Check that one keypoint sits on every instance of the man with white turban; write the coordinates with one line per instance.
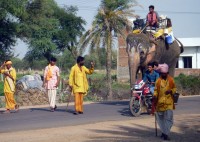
(164, 89)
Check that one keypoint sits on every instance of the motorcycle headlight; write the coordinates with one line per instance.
(136, 86)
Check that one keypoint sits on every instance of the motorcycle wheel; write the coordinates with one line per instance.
(135, 106)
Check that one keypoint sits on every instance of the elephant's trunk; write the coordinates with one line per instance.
(134, 61)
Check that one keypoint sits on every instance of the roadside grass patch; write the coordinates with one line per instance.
(188, 85)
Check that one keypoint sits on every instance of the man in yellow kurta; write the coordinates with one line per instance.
(164, 90)
(78, 82)
(9, 85)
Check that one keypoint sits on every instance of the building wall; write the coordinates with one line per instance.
(193, 52)
(122, 61)
(187, 72)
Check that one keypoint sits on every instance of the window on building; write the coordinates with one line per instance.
(187, 62)
(177, 64)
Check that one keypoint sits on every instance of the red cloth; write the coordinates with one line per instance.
(152, 18)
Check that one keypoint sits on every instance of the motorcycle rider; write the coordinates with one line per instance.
(151, 76)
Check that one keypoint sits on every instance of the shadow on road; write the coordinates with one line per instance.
(124, 107)
(185, 130)
(48, 110)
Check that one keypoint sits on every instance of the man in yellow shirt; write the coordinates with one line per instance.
(164, 89)
(9, 85)
(78, 82)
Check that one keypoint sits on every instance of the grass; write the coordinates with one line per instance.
(121, 86)
(1, 89)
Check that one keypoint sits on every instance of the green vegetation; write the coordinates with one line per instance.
(50, 30)
(47, 29)
(109, 22)
(188, 85)
(1, 89)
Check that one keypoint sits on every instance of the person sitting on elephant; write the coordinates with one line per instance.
(152, 17)
(151, 76)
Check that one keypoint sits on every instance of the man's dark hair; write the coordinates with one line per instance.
(155, 63)
(151, 6)
(150, 64)
(79, 59)
(53, 59)
(7, 60)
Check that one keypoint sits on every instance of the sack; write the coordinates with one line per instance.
(176, 97)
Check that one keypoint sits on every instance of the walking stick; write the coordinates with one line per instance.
(69, 98)
(153, 113)
(156, 126)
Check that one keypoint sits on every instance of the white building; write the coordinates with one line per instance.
(190, 58)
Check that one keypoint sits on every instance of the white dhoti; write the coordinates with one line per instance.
(165, 121)
(52, 97)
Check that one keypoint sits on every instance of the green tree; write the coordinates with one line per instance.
(17, 63)
(66, 61)
(111, 19)
(50, 29)
(39, 27)
(70, 29)
(11, 12)
(99, 57)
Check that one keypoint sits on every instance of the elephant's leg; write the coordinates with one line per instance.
(172, 67)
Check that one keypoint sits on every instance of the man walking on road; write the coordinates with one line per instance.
(51, 82)
(78, 82)
(164, 90)
(9, 85)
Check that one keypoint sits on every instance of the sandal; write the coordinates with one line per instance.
(6, 111)
(16, 108)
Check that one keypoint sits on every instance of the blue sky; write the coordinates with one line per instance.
(185, 15)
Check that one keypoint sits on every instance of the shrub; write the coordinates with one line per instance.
(1, 89)
(188, 85)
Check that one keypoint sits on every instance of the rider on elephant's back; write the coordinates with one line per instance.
(152, 17)
(151, 76)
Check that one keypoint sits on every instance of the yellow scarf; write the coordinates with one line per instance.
(49, 72)
(10, 81)
(84, 77)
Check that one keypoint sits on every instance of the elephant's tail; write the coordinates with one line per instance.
(182, 49)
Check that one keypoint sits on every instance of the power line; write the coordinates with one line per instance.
(92, 8)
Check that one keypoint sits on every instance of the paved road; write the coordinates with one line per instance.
(37, 118)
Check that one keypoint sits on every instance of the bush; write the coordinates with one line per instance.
(188, 85)
(1, 89)
(98, 89)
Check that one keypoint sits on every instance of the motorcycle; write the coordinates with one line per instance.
(141, 97)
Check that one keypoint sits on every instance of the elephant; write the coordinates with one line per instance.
(142, 50)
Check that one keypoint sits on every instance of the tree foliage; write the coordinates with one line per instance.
(50, 29)
(111, 19)
(99, 57)
(71, 28)
(11, 12)
(47, 28)
(39, 27)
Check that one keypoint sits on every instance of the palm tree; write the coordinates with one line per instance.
(111, 19)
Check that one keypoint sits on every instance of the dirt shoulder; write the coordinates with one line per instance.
(186, 128)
